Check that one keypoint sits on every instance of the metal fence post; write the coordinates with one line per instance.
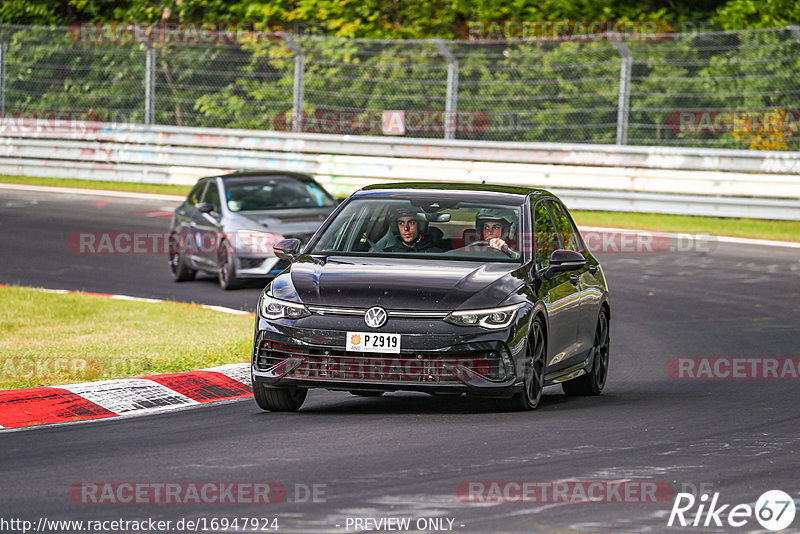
(451, 98)
(795, 31)
(299, 76)
(3, 57)
(149, 84)
(623, 106)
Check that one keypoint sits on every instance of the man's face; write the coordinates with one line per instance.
(492, 229)
(409, 228)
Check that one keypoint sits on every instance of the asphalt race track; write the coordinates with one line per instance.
(407, 455)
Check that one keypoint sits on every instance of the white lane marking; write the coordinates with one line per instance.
(135, 299)
(236, 371)
(93, 192)
(130, 395)
(223, 309)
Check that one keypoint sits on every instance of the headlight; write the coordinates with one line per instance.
(272, 308)
(254, 242)
(493, 318)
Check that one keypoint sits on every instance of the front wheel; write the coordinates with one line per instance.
(279, 399)
(177, 263)
(227, 268)
(593, 383)
(534, 372)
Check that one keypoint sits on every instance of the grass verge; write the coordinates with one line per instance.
(51, 339)
(751, 228)
(180, 190)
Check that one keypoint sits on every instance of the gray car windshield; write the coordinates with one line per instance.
(271, 193)
(468, 230)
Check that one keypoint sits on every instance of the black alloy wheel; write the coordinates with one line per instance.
(593, 383)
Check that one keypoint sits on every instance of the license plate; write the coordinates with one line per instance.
(373, 342)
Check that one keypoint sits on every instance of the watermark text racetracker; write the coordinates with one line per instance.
(198, 492)
(564, 491)
(734, 368)
(137, 242)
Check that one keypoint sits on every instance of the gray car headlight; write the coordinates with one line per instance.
(272, 308)
(492, 318)
(255, 242)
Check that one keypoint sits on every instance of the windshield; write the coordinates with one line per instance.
(274, 192)
(454, 229)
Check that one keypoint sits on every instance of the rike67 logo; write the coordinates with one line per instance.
(774, 510)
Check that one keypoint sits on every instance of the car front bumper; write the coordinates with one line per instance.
(484, 368)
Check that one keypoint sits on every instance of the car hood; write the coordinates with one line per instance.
(404, 284)
(285, 222)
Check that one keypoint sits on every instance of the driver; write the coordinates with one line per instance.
(494, 225)
(410, 230)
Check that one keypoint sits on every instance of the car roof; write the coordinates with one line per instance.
(461, 187)
(263, 174)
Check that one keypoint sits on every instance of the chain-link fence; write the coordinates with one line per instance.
(713, 89)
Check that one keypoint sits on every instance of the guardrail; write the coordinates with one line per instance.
(718, 182)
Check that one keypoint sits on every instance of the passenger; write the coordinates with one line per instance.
(410, 233)
(494, 226)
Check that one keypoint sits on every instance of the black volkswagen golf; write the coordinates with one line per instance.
(439, 288)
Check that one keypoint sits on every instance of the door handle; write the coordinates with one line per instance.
(593, 269)
(574, 279)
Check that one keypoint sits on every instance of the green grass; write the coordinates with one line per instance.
(752, 228)
(52, 339)
(180, 190)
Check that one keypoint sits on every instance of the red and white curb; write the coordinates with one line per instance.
(21, 408)
(123, 397)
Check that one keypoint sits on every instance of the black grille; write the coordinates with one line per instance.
(251, 263)
(337, 364)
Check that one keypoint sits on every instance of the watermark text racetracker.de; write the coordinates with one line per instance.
(197, 492)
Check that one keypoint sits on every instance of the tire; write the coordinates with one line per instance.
(226, 272)
(279, 399)
(177, 264)
(366, 393)
(593, 382)
(534, 372)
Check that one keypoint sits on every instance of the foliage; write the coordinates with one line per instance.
(564, 90)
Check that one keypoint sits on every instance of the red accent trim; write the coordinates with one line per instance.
(36, 406)
(204, 386)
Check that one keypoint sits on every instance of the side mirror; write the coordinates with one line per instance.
(438, 217)
(287, 249)
(205, 207)
(566, 260)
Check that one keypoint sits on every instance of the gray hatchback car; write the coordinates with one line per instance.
(228, 224)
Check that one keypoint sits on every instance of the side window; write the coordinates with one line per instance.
(212, 196)
(566, 231)
(546, 237)
(194, 194)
